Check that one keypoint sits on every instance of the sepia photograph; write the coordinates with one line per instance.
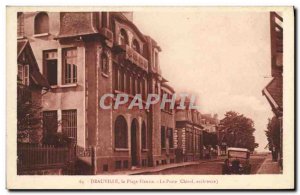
(166, 93)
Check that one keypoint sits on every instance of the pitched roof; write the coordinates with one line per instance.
(274, 92)
(21, 45)
(35, 74)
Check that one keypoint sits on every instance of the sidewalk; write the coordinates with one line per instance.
(162, 167)
(269, 166)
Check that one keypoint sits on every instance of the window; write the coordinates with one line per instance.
(69, 123)
(170, 109)
(121, 80)
(116, 77)
(144, 89)
(133, 81)
(125, 164)
(136, 46)
(163, 137)
(41, 23)
(23, 74)
(156, 59)
(118, 164)
(167, 106)
(123, 38)
(128, 82)
(170, 136)
(20, 29)
(192, 141)
(104, 64)
(121, 133)
(144, 136)
(156, 89)
(50, 122)
(139, 85)
(196, 141)
(189, 141)
(50, 66)
(69, 65)
(105, 168)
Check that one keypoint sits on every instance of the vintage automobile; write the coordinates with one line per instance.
(237, 161)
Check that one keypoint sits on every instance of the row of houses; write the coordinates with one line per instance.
(71, 59)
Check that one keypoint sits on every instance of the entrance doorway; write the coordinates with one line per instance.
(134, 157)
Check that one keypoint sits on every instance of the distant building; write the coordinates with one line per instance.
(167, 127)
(188, 134)
(210, 122)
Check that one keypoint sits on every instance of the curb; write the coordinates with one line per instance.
(167, 168)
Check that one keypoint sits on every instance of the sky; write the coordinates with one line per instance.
(221, 57)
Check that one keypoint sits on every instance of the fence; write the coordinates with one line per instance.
(35, 157)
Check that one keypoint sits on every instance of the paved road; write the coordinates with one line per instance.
(208, 168)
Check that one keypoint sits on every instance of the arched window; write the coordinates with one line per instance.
(41, 23)
(20, 24)
(123, 37)
(144, 136)
(136, 46)
(104, 63)
(121, 133)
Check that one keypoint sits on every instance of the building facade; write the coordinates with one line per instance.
(188, 134)
(274, 90)
(85, 55)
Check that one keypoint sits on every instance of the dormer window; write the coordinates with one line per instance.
(41, 23)
(123, 38)
(136, 46)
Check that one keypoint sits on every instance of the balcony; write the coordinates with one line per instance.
(106, 33)
(132, 56)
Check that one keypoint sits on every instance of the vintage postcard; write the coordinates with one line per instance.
(150, 98)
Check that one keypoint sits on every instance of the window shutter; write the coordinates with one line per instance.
(26, 75)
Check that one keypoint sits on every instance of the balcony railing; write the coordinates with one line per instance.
(133, 56)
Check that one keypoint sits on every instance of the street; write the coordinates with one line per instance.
(208, 168)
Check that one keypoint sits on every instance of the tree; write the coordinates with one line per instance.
(28, 116)
(273, 136)
(29, 122)
(237, 131)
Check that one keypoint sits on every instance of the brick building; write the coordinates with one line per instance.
(84, 55)
(188, 134)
